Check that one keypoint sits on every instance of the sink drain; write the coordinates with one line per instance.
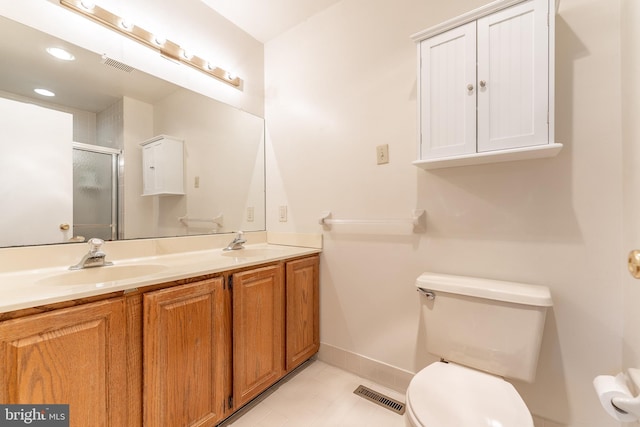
(380, 399)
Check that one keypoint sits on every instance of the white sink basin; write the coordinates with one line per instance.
(100, 274)
(251, 252)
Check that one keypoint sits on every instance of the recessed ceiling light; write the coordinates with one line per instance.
(44, 92)
(60, 53)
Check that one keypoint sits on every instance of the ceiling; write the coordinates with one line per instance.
(266, 19)
(88, 83)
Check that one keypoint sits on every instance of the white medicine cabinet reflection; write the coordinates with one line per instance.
(486, 86)
(163, 166)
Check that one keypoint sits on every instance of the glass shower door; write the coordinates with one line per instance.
(95, 192)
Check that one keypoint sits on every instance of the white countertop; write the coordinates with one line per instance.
(35, 287)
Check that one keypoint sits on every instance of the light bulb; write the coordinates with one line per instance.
(88, 4)
(159, 40)
(126, 24)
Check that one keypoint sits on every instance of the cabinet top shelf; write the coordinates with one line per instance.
(524, 153)
(467, 17)
(160, 137)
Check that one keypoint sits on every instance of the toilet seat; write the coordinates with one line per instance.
(450, 395)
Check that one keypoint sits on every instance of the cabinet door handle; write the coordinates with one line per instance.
(483, 83)
(469, 87)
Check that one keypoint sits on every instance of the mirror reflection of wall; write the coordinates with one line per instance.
(114, 110)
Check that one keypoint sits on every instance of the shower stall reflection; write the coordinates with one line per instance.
(95, 192)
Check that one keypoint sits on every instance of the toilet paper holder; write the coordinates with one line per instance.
(619, 395)
(629, 405)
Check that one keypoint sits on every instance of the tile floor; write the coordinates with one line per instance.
(319, 395)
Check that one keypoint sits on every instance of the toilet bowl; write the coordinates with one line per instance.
(484, 331)
(450, 395)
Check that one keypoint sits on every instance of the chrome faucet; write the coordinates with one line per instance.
(94, 258)
(236, 243)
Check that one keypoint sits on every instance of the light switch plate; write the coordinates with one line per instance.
(382, 154)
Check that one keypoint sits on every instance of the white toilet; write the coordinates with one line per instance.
(484, 331)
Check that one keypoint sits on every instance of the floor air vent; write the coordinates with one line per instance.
(380, 399)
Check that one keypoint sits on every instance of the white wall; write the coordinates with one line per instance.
(141, 219)
(343, 82)
(224, 152)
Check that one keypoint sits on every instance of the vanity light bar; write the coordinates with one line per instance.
(167, 48)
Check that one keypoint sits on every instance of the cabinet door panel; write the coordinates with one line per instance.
(447, 104)
(184, 350)
(303, 310)
(513, 63)
(258, 330)
(74, 356)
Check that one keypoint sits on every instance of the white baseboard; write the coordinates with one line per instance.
(386, 375)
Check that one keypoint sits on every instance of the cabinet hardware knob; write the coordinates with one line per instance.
(64, 227)
(483, 83)
(634, 263)
(469, 87)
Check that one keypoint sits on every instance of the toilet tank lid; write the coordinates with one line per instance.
(520, 293)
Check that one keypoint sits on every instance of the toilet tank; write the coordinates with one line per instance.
(490, 325)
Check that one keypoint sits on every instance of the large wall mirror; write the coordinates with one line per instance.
(72, 165)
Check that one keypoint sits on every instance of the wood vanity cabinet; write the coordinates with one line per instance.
(258, 331)
(184, 353)
(186, 358)
(303, 310)
(74, 356)
(275, 324)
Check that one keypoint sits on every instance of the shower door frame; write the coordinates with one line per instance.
(115, 162)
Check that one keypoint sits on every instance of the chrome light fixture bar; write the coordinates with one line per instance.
(167, 48)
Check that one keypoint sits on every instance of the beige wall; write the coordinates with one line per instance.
(631, 159)
(343, 82)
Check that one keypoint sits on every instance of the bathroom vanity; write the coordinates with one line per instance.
(168, 348)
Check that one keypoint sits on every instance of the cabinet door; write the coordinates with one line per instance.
(258, 329)
(448, 93)
(513, 70)
(149, 180)
(43, 167)
(163, 167)
(303, 310)
(184, 361)
(74, 356)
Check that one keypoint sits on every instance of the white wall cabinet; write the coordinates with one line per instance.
(486, 86)
(162, 166)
